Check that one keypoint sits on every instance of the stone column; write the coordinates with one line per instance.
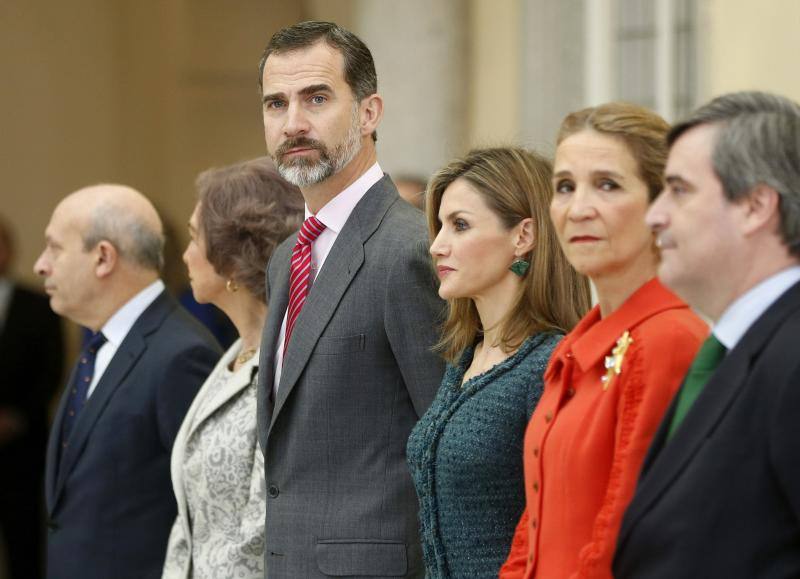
(420, 52)
(553, 77)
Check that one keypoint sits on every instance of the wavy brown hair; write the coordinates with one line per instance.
(515, 184)
(246, 210)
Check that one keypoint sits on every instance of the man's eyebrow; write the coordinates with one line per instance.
(315, 88)
(273, 97)
(305, 91)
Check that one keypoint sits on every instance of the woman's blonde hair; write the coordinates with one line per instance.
(515, 184)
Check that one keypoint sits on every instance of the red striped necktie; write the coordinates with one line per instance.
(300, 273)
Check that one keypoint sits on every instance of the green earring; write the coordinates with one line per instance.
(520, 266)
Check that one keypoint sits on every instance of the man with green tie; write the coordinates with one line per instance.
(719, 493)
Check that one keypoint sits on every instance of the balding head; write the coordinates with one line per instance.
(123, 217)
(103, 245)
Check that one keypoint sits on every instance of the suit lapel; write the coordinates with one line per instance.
(278, 302)
(342, 264)
(53, 444)
(125, 358)
(667, 459)
(242, 378)
(122, 362)
(670, 458)
(198, 412)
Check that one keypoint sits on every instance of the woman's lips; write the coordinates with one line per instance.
(443, 270)
(583, 239)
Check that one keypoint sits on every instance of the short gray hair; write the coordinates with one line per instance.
(131, 236)
(758, 143)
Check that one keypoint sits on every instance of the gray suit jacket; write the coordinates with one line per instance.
(358, 373)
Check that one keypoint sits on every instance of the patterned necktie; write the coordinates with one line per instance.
(80, 386)
(708, 358)
(300, 273)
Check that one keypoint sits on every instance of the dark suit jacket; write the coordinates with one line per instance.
(357, 375)
(110, 503)
(31, 364)
(721, 499)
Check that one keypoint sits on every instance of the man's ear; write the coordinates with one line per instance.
(106, 257)
(761, 208)
(371, 113)
(526, 238)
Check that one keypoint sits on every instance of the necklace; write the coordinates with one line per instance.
(245, 356)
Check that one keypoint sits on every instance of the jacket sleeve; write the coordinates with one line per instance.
(657, 364)
(176, 562)
(182, 378)
(412, 318)
(516, 563)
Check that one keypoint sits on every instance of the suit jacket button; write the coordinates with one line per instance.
(273, 491)
(52, 526)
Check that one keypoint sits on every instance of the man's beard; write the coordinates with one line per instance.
(306, 172)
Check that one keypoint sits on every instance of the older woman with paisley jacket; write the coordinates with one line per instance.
(243, 213)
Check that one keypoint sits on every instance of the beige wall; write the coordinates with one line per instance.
(494, 72)
(144, 92)
(58, 109)
(753, 45)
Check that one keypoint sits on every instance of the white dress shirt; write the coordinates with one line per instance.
(333, 215)
(742, 313)
(118, 326)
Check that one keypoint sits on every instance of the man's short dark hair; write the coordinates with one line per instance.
(758, 143)
(359, 68)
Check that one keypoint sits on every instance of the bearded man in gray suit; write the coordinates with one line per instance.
(346, 361)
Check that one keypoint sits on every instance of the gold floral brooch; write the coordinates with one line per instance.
(613, 363)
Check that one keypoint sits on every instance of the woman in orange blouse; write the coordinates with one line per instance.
(611, 379)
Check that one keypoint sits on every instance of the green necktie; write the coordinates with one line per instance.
(708, 358)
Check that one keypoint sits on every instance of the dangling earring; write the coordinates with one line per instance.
(519, 266)
(231, 286)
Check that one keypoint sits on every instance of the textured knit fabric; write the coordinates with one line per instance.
(587, 439)
(465, 456)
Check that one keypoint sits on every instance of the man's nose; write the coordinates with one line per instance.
(296, 121)
(40, 267)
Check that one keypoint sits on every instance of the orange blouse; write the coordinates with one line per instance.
(607, 387)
